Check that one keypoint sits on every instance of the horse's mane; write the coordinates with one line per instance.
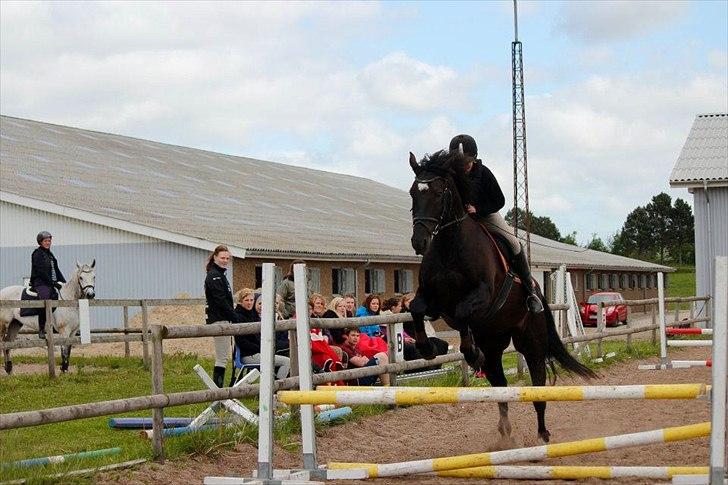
(444, 163)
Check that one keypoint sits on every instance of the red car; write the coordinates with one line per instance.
(613, 315)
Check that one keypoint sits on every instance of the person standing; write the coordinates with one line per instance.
(219, 307)
(45, 275)
(287, 291)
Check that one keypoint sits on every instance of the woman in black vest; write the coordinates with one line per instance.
(219, 307)
(45, 276)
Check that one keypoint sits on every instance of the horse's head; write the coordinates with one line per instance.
(86, 274)
(436, 202)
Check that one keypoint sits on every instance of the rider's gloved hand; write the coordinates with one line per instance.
(58, 285)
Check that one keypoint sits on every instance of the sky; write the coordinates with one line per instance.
(612, 88)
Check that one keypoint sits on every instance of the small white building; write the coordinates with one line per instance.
(702, 168)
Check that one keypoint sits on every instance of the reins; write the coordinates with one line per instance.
(446, 210)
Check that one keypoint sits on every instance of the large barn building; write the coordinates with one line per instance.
(702, 168)
(149, 213)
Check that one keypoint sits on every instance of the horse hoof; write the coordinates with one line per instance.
(544, 436)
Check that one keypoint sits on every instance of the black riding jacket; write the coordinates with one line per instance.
(219, 296)
(43, 264)
(485, 193)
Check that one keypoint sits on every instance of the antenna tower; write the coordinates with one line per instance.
(520, 158)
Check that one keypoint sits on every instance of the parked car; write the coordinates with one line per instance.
(613, 315)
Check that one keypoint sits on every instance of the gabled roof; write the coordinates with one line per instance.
(704, 157)
(200, 198)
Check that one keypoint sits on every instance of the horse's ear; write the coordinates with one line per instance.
(413, 163)
(93, 263)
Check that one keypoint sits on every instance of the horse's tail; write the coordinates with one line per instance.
(556, 349)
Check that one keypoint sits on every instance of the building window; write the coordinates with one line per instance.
(633, 281)
(613, 281)
(259, 276)
(575, 283)
(374, 281)
(651, 281)
(591, 279)
(643, 282)
(343, 281)
(403, 280)
(314, 280)
(624, 281)
(603, 281)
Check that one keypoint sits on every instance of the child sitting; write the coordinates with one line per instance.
(357, 359)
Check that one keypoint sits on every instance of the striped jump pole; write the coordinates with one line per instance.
(593, 445)
(689, 343)
(688, 331)
(48, 460)
(449, 395)
(574, 472)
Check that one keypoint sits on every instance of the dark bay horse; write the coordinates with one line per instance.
(461, 277)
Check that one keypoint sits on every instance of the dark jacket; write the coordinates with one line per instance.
(247, 345)
(485, 193)
(43, 264)
(219, 296)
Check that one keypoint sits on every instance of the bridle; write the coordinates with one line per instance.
(82, 289)
(446, 210)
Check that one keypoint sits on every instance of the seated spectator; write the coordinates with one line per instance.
(350, 300)
(357, 359)
(249, 345)
(392, 305)
(370, 308)
(336, 309)
(317, 304)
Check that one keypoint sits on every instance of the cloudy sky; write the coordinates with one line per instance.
(612, 88)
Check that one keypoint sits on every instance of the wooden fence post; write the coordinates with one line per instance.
(600, 328)
(157, 388)
(49, 339)
(629, 335)
(292, 354)
(145, 334)
(465, 370)
(127, 353)
(392, 351)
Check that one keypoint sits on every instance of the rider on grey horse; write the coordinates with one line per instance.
(45, 276)
(486, 199)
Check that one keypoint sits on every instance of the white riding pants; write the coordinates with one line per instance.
(223, 348)
(282, 362)
(496, 224)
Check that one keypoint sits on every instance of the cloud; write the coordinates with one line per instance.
(401, 82)
(608, 21)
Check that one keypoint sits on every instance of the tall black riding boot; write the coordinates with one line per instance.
(218, 376)
(520, 266)
(41, 324)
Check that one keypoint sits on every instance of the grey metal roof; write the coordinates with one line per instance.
(704, 157)
(267, 208)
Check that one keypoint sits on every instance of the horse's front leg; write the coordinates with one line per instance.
(65, 357)
(473, 355)
(418, 308)
(10, 334)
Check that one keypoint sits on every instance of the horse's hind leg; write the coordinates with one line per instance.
(536, 361)
(65, 357)
(497, 378)
(10, 334)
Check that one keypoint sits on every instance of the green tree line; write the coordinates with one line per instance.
(661, 231)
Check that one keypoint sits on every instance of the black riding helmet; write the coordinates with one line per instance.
(470, 148)
(43, 235)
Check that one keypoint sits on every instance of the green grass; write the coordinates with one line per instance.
(681, 283)
(117, 378)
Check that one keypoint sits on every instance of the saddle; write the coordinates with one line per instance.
(29, 295)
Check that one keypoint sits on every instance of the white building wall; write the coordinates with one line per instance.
(711, 234)
(127, 265)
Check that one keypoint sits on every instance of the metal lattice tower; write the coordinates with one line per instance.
(520, 158)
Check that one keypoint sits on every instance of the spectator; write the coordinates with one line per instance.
(336, 309)
(318, 310)
(287, 290)
(219, 307)
(350, 300)
(251, 343)
(392, 305)
(370, 308)
(282, 343)
(357, 359)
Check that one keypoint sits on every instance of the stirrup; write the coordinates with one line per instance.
(534, 304)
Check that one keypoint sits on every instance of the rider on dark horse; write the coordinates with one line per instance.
(486, 199)
(45, 276)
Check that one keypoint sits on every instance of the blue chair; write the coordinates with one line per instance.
(240, 369)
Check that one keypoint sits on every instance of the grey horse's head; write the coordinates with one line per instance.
(86, 279)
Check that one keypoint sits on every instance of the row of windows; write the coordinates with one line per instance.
(343, 280)
(613, 281)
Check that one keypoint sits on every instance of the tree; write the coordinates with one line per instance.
(597, 244)
(543, 226)
(570, 239)
(635, 238)
(659, 210)
(682, 232)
